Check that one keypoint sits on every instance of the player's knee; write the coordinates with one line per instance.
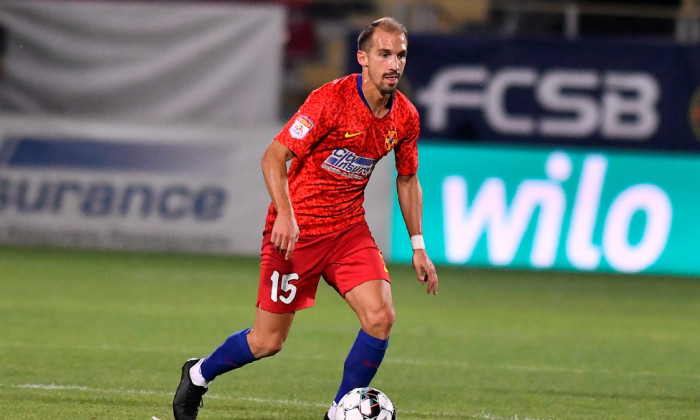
(271, 349)
(265, 346)
(378, 323)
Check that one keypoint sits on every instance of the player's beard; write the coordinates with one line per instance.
(387, 89)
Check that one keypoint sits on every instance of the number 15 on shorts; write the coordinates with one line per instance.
(283, 286)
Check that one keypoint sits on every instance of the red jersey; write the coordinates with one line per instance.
(337, 141)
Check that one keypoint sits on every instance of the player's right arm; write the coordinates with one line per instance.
(285, 231)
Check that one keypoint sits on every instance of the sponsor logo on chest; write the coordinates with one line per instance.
(348, 164)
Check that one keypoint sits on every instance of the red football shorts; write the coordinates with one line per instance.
(344, 259)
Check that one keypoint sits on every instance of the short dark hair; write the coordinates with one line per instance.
(388, 24)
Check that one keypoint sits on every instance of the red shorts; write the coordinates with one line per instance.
(345, 259)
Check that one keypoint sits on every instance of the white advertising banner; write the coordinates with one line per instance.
(108, 185)
(146, 61)
(92, 184)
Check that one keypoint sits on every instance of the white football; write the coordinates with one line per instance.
(365, 404)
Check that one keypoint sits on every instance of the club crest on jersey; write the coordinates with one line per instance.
(348, 164)
(301, 127)
(390, 140)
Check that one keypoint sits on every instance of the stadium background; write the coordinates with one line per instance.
(103, 102)
(560, 165)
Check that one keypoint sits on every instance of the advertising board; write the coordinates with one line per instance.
(96, 184)
(629, 94)
(553, 208)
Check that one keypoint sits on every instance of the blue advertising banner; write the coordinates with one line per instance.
(600, 93)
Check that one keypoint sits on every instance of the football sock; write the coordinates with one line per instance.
(232, 354)
(331, 411)
(196, 375)
(362, 363)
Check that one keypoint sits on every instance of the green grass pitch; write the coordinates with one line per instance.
(102, 335)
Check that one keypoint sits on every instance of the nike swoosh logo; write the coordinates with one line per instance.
(348, 135)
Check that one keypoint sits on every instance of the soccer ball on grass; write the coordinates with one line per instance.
(365, 404)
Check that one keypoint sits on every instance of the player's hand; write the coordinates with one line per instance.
(425, 270)
(285, 234)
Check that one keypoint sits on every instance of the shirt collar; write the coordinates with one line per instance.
(389, 104)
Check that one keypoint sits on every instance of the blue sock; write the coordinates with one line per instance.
(232, 354)
(362, 363)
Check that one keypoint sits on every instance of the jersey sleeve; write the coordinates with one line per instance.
(309, 124)
(406, 151)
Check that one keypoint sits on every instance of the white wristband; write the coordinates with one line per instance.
(417, 242)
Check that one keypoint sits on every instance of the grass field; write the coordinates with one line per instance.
(99, 335)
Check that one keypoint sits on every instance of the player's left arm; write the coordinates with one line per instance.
(411, 202)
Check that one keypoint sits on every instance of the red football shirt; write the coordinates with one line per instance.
(337, 141)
